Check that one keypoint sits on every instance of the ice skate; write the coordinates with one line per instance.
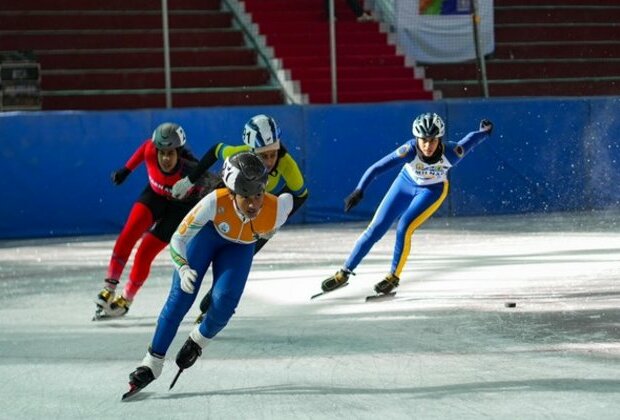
(151, 367)
(105, 298)
(118, 307)
(385, 286)
(138, 380)
(189, 353)
(204, 307)
(338, 280)
(186, 357)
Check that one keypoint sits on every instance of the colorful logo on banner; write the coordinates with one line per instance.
(445, 7)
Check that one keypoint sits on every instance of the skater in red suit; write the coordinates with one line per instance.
(154, 216)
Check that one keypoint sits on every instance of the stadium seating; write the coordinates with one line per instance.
(544, 48)
(369, 68)
(109, 55)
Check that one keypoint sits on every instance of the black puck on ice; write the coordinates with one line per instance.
(510, 304)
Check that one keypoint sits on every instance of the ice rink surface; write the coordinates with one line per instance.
(445, 347)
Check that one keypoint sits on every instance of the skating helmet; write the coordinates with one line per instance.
(245, 174)
(261, 133)
(428, 125)
(169, 136)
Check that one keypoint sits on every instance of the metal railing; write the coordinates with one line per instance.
(265, 55)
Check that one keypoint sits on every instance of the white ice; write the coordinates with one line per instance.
(445, 347)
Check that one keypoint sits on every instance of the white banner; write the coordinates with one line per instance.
(442, 38)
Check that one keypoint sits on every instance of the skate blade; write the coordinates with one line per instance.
(176, 377)
(102, 316)
(99, 314)
(381, 296)
(133, 391)
(330, 291)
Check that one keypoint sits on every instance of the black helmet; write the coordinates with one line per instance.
(169, 136)
(245, 174)
(428, 125)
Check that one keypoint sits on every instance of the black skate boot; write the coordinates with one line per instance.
(138, 379)
(204, 306)
(151, 368)
(385, 286)
(186, 357)
(336, 281)
(189, 353)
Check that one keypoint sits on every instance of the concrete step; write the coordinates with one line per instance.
(356, 96)
(133, 99)
(539, 87)
(562, 49)
(55, 5)
(154, 78)
(556, 15)
(89, 20)
(525, 69)
(96, 39)
(518, 32)
(146, 58)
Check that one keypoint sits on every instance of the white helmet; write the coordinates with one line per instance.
(428, 125)
(261, 133)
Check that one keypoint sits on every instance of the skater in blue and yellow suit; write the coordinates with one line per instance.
(417, 192)
(220, 231)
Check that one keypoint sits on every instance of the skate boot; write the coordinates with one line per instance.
(189, 353)
(336, 281)
(118, 307)
(105, 298)
(389, 283)
(106, 295)
(204, 306)
(147, 372)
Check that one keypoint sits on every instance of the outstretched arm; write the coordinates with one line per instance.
(382, 165)
(119, 176)
(207, 160)
(471, 140)
(387, 162)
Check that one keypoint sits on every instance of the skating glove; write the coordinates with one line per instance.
(486, 125)
(188, 277)
(266, 236)
(181, 188)
(353, 199)
(118, 177)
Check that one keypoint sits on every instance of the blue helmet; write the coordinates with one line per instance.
(168, 136)
(428, 125)
(261, 133)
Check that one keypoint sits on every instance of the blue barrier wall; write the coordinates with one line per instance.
(545, 155)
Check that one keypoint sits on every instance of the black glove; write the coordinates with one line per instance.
(486, 125)
(118, 177)
(353, 200)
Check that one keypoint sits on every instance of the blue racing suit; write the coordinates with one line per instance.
(417, 192)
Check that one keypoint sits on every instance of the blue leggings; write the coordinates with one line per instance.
(414, 204)
(231, 266)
